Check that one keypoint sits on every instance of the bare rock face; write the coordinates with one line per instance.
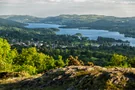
(97, 78)
(82, 78)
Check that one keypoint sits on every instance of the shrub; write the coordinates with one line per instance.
(74, 61)
(25, 68)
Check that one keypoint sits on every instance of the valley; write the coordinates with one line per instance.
(45, 52)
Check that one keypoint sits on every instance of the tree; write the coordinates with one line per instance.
(26, 57)
(5, 63)
(131, 61)
(59, 62)
(33, 59)
(118, 60)
(4, 48)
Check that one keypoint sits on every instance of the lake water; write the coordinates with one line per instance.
(92, 34)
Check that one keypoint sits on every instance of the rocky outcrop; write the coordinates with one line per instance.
(81, 78)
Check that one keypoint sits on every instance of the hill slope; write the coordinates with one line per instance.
(5, 22)
(21, 18)
(91, 21)
(76, 78)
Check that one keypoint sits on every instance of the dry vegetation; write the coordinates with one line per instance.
(74, 78)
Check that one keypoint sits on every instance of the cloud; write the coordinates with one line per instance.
(59, 1)
(80, 0)
(56, 7)
(118, 1)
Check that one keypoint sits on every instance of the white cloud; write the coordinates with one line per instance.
(80, 0)
(58, 1)
(56, 7)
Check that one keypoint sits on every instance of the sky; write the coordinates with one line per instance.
(44, 8)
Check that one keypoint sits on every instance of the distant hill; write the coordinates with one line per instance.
(124, 25)
(21, 18)
(79, 21)
(91, 21)
(5, 22)
(65, 19)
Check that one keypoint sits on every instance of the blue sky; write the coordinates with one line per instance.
(44, 8)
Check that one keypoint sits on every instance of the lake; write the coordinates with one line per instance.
(92, 34)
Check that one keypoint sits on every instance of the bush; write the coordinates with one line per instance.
(59, 62)
(26, 68)
(74, 61)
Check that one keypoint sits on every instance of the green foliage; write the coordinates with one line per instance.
(5, 66)
(5, 62)
(25, 68)
(26, 56)
(131, 61)
(118, 60)
(59, 62)
(29, 60)
(34, 59)
(5, 22)
(19, 34)
(78, 34)
(4, 48)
